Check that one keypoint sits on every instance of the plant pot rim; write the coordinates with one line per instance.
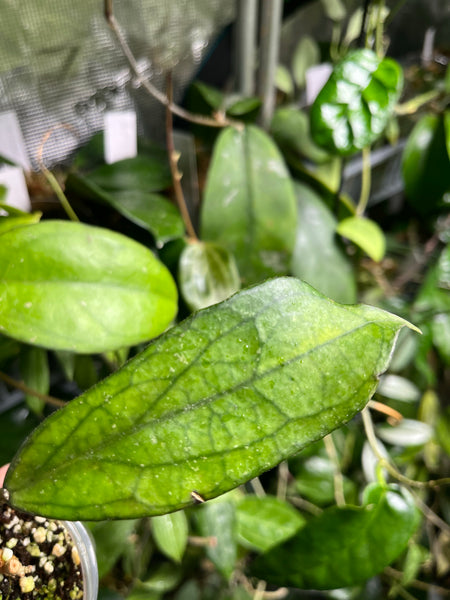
(86, 550)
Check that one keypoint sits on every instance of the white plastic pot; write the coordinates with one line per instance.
(85, 546)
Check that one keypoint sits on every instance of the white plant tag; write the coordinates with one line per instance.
(12, 144)
(316, 78)
(120, 135)
(17, 193)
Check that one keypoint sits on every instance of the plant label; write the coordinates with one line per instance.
(120, 135)
(12, 144)
(17, 193)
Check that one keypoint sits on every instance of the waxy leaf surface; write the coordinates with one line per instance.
(70, 286)
(354, 106)
(249, 205)
(212, 403)
(344, 546)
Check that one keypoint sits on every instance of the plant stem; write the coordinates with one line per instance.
(257, 487)
(420, 585)
(53, 182)
(379, 30)
(246, 46)
(271, 13)
(366, 177)
(173, 162)
(412, 106)
(385, 409)
(363, 23)
(27, 390)
(305, 505)
(372, 439)
(282, 481)
(219, 121)
(338, 479)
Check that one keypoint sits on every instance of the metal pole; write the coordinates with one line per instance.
(271, 15)
(246, 25)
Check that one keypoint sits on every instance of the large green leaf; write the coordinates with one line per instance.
(249, 205)
(144, 173)
(317, 257)
(345, 546)
(213, 402)
(170, 533)
(71, 286)
(354, 106)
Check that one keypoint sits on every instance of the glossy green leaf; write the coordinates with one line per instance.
(143, 173)
(249, 205)
(170, 533)
(75, 287)
(317, 257)
(290, 129)
(426, 164)
(212, 403)
(212, 96)
(207, 274)
(265, 522)
(217, 521)
(434, 294)
(354, 106)
(110, 542)
(344, 546)
(366, 234)
(35, 373)
(306, 55)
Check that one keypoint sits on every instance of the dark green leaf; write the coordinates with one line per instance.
(354, 106)
(211, 96)
(434, 294)
(15, 424)
(243, 107)
(290, 129)
(217, 520)
(75, 287)
(208, 274)
(212, 403)
(426, 164)
(249, 205)
(162, 579)
(170, 533)
(265, 522)
(366, 234)
(317, 257)
(345, 546)
(36, 375)
(110, 542)
(150, 211)
(142, 173)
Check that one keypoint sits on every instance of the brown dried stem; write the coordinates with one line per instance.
(27, 390)
(219, 121)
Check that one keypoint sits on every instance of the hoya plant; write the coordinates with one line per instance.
(214, 377)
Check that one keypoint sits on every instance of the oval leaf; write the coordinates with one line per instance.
(398, 388)
(249, 205)
(317, 257)
(212, 403)
(408, 432)
(354, 106)
(207, 274)
(217, 521)
(70, 286)
(344, 546)
(265, 522)
(170, 533)
(366, 234)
